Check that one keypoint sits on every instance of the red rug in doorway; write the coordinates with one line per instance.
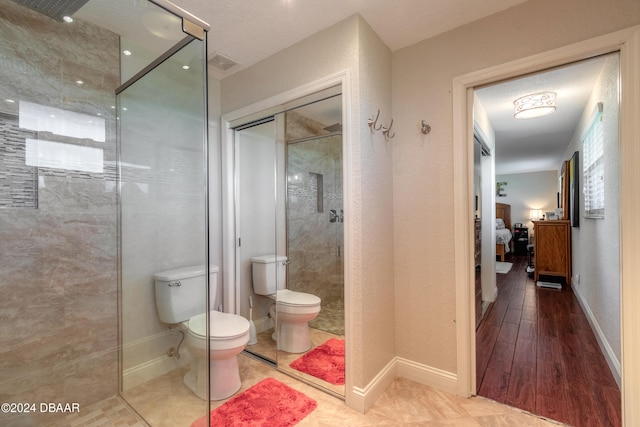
(269, 403)
(325, 362)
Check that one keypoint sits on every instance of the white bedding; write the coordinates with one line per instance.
(504, 236)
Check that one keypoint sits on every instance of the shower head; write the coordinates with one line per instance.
(56, 9)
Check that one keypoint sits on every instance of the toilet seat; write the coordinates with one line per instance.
(226, 330)
(297, 299)
(293, 302)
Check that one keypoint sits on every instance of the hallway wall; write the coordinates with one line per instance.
(596, 243)
(423, 180)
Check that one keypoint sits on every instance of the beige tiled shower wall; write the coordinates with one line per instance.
(58, 266)
(315, 244)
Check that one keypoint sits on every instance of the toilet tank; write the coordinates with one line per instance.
(180, 293)
(268, 273)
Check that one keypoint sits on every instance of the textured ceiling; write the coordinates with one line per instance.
(539, 144)
(251, 30)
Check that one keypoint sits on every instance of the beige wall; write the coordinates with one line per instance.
(423, 179)
(350, 46)
(529, 190)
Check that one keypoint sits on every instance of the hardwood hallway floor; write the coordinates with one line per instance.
(536, 351)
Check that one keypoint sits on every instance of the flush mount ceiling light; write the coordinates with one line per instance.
(534, 105)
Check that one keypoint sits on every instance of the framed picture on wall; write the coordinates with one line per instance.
(574, 191)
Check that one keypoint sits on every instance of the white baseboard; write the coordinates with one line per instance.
(607, 351)
(153, 368)
(263, 323)
(362, 399)
(427, 375)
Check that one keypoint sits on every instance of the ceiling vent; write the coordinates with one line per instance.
(56, 9)
(221, 61)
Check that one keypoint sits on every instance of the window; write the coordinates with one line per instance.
(593, 152)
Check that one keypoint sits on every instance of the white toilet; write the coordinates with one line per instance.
(179, 299)
(294, 310)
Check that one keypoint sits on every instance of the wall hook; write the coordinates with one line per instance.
(425, 128)
(387, 131)
(372, 123)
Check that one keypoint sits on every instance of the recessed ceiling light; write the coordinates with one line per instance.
(185, 67)
(126, 52)
(80, 82)
(67, 19)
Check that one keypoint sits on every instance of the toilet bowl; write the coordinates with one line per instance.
(229, 335)
(179, 302)
(293, 310)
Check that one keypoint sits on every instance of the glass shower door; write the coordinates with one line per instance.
(163, 226)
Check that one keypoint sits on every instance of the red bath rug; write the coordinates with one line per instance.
(325, 362)
(269, 403)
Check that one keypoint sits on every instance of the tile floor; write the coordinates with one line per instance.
(404, 403)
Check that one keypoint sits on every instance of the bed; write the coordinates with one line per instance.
(503, 230)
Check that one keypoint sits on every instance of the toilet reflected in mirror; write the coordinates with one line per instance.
(293, 310)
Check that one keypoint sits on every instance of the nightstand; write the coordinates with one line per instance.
(520, 240)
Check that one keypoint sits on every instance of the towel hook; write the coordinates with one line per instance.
(425, 128)
(372, 123)
(386, 131)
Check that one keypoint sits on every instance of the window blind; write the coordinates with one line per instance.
(593, 167)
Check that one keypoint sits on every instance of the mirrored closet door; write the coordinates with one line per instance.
(290, 239)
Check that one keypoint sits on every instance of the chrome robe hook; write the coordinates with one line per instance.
(386, 131)
(372, 123)
(425, 128)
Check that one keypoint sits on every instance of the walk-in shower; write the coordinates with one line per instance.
(103, 182)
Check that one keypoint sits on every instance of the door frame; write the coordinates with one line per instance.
(627, 42)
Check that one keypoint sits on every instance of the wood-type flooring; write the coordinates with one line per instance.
(536, 351)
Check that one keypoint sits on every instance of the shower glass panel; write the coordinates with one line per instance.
(163, 227)
(58, 223)
(60, 334)
(146, 30)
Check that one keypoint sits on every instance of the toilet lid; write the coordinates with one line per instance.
(287, 297)
(222, 325)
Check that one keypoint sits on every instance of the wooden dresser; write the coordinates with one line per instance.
(552, 249)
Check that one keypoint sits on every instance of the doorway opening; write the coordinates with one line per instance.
(528, 345)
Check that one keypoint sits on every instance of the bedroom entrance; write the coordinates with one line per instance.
(543, 350)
